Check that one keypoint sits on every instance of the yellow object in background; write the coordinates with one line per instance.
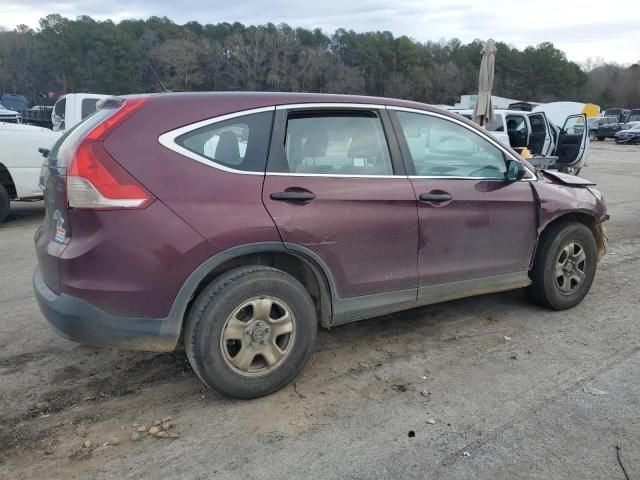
(525, 153)
(591, 110)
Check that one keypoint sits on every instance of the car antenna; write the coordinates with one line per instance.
(162, 87)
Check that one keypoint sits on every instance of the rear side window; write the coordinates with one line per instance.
(537, 124)
(88, 106)
(240, 143)
(340, 143)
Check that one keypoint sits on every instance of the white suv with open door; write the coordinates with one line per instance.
(563, 148)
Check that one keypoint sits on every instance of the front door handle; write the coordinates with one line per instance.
(292, 196)
(435, 197)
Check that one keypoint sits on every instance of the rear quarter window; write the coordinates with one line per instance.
(239, 143)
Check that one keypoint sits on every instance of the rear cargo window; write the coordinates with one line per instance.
(240, 143)
(62, 150)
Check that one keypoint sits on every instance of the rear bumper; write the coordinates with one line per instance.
(82, 322)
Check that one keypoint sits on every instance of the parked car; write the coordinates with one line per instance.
(20, 159)
(608, 127)
(239, 221)
(542, 137)
(621, 114)
(8, 116)
(630, 135)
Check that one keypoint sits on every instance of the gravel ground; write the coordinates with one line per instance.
(484, 388)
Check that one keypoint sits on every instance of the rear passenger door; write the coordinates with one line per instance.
(336, 187)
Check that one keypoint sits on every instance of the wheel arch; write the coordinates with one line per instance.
(7, 181)
(587, 218)
(296, 260)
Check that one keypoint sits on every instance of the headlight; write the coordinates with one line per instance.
(596, 193)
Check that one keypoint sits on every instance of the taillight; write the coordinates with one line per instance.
(95, 180)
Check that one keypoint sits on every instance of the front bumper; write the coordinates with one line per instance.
(78, 320)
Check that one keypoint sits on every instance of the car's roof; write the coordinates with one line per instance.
(284, 98)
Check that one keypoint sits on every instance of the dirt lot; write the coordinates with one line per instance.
(490, 387)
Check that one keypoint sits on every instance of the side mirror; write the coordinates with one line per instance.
(515, 171)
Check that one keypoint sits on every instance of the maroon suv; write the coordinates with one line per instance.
(239, 221)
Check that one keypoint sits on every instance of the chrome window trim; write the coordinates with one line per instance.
(168, 139)
(495, 143)
(298, 106)
(329, 175)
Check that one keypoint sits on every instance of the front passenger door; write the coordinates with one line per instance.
(474, 223)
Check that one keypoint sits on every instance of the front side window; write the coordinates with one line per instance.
(573, 126)
(339, 143)
(60, 107)
(239, 143)
(442, 148)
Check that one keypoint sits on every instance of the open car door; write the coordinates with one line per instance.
(540, 139)
(572, 144)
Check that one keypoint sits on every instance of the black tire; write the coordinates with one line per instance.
(208, 318)
(544, 288)
(592, 135)
(5, 203)
(601, 139)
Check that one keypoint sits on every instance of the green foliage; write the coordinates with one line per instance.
(66, 55)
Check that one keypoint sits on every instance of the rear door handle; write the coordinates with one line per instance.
(292, 196)
(435, 197)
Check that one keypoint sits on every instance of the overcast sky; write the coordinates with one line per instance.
(608, 30)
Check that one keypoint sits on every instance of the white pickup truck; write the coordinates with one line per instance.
(20, 160)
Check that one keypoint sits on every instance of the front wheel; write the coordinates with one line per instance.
(250, 332)
(564, 267)
(601, 139)
(592, 135)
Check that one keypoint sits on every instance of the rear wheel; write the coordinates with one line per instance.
(564, 267)
(4, 203)
(250, 332)
(592, 135)
(601, 138)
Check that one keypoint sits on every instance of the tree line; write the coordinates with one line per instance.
(84, 55)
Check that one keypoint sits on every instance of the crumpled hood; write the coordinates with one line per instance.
(566, 179)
